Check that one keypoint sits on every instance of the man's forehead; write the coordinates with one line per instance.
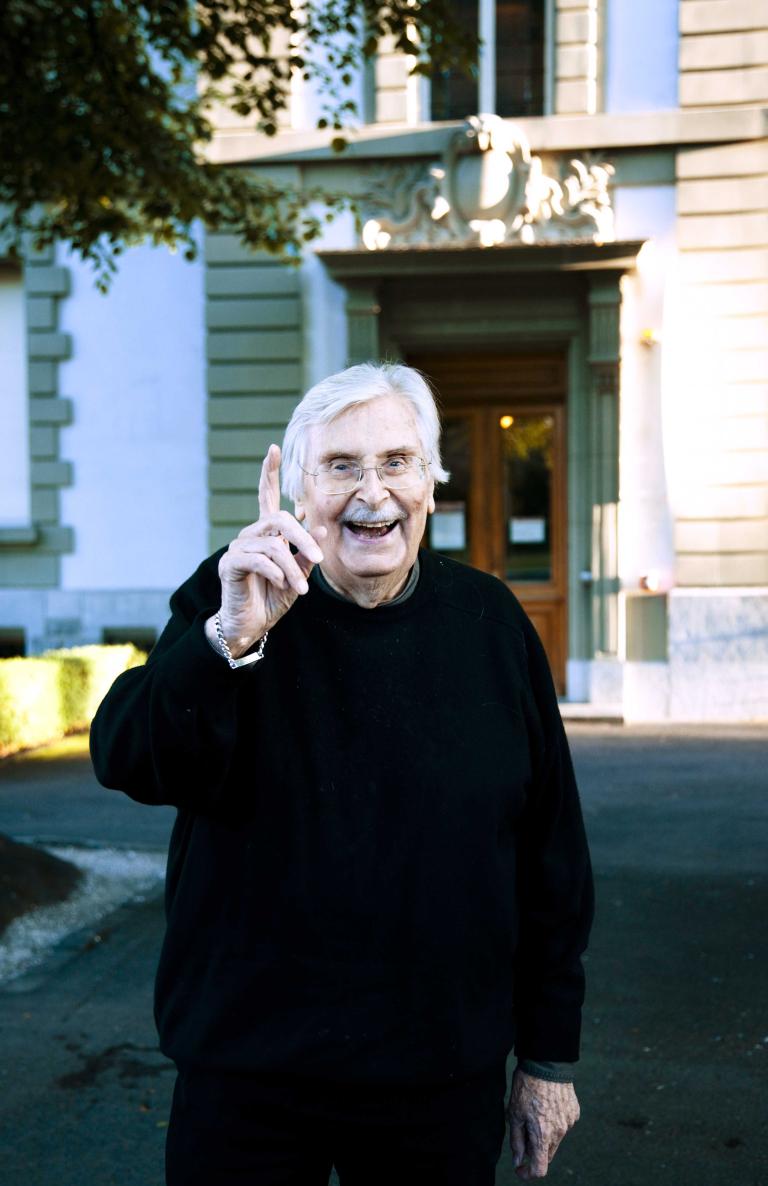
(379, 425)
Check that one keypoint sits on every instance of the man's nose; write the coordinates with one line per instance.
(372, 490)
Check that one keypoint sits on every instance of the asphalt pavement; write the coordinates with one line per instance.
(672, 1081)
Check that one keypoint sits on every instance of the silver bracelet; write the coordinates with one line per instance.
(246, 659)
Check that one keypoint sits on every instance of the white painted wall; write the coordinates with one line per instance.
(14, 431)
(138, 504)
(640, 40)
(324, 303)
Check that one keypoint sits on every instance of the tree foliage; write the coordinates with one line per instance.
(106, 110)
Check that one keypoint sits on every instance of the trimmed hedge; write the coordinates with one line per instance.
(43, 698)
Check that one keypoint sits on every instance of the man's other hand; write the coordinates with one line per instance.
(539, 1114)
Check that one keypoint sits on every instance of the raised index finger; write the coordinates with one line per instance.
(269, 483)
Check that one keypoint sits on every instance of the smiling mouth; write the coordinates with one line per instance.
(371, 530)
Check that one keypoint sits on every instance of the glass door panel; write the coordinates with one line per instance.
(449, 528)
(527, 441)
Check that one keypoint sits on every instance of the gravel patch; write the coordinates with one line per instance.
(111, 878)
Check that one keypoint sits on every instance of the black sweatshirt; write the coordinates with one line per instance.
(378, 870)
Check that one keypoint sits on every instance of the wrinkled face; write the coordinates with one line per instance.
(372, 531)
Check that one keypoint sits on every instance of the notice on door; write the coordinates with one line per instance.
(448, 527)
(527, 531)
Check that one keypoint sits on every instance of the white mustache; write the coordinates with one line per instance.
(361, 515)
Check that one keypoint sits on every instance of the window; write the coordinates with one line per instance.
(510, 70)
(12, 643)
(142, 637)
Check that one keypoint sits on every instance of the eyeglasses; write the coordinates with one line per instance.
(342, 476)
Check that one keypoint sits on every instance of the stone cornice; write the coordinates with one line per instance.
(553, 133)
(359, 265)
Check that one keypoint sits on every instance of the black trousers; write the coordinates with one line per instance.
(290, 1131)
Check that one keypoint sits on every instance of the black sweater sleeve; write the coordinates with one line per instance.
(165, 733)
(555, 891)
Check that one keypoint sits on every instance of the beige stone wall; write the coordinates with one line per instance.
(722, 524)
(577, 29)
(723, 53)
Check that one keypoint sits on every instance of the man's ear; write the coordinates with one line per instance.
(298, 510)
(431, 503)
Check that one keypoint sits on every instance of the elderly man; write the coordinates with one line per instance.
(378, 881)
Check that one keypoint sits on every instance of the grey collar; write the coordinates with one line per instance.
(403, 595)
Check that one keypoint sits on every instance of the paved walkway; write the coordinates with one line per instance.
(672, 1082)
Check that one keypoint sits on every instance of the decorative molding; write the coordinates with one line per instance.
(489, 189)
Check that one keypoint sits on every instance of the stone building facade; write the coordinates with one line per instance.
(574, 248)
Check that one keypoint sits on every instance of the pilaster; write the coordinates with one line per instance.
(363, 312)
(576, 54)
(603, 360)
(31, 557)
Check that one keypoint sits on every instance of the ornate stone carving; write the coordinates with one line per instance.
(488, 189)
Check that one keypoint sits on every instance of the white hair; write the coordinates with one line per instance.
(357, 385)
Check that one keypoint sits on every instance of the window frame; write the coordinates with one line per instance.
(486, 82)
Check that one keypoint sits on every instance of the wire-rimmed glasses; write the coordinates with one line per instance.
(342, 475)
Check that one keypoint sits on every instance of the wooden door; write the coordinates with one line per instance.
(504, 509)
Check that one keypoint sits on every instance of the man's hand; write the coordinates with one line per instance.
(539, 1114)
(260, 577)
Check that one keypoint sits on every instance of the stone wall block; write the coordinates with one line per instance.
(724, 160)
(225, 248)
(576, 61)
(41, 313)
(28, 568)
(703, 266)
(392, 107)
(712, 88)
(712, 570)
(254, 345)
(575, 98)
(737, 536)
(45, 504)
(266, 312)
(722, 195)
(225, 443)
(50, 411)
(43, 442)
(42, 378)
(719, 51)
(252, 280)
(392, 71)
(225, 410)
(747, 399)
(49, 345)
(573, 27)
(250, 378)
(723, 502)
(747, 366)
(47, 281)
(743, 333)
(52, 473)
(721, 16)
(723, 230)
